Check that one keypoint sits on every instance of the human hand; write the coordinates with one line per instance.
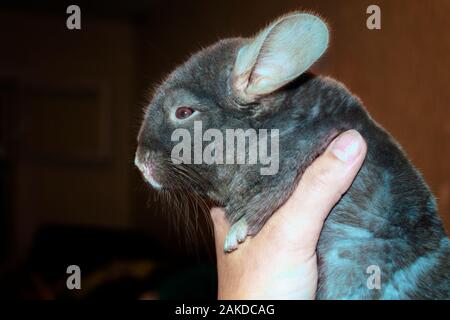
(280, 262)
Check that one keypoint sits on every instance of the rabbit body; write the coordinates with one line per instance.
(388, 217)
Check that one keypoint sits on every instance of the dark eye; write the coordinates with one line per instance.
(183, 112)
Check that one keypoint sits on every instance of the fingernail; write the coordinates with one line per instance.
(347, 146)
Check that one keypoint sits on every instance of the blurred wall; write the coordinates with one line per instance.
(71, 93)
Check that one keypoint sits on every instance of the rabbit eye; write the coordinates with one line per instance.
(183, 112)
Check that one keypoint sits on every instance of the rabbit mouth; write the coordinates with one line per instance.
(147, 169)
(149, 177)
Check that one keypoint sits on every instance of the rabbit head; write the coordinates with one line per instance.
(234, 84)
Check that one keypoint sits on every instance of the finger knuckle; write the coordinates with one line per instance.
(321, 179)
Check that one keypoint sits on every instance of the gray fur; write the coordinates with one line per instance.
(387, 218)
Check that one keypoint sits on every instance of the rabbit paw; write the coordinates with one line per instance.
(237, 234)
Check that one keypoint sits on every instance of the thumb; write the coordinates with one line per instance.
(321, 186)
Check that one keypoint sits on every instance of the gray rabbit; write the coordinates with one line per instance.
(388, 217)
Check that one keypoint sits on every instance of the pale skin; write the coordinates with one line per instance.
(280, 262)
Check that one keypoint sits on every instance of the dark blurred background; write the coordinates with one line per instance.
(71, 102)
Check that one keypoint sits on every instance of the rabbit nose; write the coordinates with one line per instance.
(141, 158)
(147, 167)
(143, 162)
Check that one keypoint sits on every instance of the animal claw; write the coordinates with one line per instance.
(237, 234)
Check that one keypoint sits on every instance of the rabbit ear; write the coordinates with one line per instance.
(278, 54)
